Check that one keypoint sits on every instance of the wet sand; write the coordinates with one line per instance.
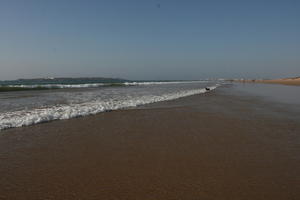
(211, 146)
(283, 81)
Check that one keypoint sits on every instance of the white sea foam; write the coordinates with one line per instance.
(61, 85)
(93, 85)
(162, 82)
(57, 112)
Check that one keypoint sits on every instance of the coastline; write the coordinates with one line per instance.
(288, 81)
(284, 81)
(210, 146)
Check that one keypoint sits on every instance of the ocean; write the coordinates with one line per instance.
(51, 99)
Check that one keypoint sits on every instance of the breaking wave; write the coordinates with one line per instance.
(94, 85)
(161, 82)
(60, 85)
(58, 112)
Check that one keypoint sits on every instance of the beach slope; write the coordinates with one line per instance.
(209, 146)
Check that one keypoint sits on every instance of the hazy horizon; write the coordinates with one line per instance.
(149, 40)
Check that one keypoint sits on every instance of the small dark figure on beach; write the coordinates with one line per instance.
(207, 89)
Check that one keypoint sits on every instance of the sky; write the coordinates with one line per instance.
(149, 39)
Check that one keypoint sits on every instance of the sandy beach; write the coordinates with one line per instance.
(149, 100)
(283, 81)
(216, 145)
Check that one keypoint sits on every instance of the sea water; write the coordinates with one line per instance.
(25, 108)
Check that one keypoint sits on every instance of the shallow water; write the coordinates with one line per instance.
(273, 92)
(31, 107)
(272, 100)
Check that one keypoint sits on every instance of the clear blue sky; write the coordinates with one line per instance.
(149, 39)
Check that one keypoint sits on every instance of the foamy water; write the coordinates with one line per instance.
(31, 107)
(61, 86)
(92, 85)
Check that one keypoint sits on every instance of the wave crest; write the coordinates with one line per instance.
(38, 115)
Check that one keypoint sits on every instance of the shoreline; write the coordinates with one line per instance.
(66, 111)
(209, 146)
(285, 81)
